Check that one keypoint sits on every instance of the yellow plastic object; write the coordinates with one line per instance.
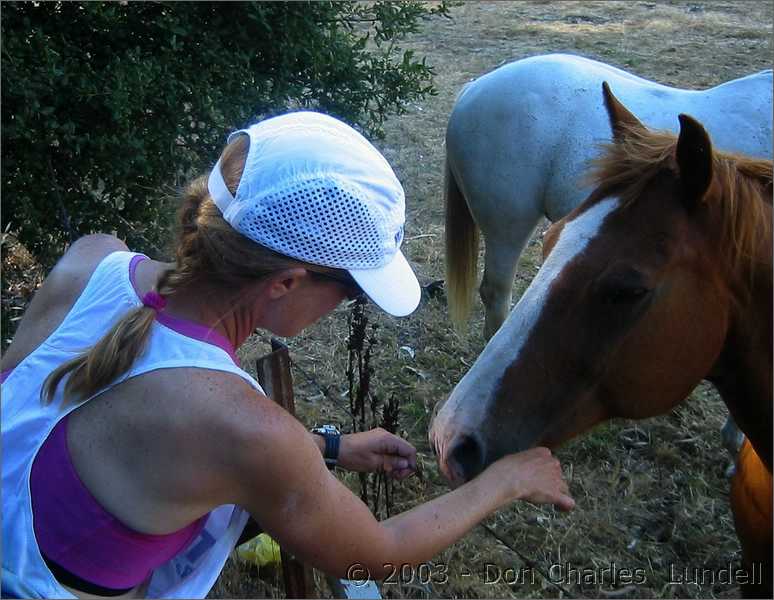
(262, 550)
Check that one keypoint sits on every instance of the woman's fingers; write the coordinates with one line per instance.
(565, 503)
(394, 464)
(392, 444)
(402, 474)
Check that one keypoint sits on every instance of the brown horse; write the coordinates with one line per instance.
(660, 279)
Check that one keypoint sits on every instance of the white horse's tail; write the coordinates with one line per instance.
(461, 251)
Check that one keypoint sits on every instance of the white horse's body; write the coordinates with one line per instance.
(520, 138)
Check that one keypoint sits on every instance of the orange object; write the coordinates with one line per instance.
(751, 503)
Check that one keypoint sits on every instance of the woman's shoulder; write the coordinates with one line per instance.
(235, 418)
(202, 406)
(241, 437)
(228, 402)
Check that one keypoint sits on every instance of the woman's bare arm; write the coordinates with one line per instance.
(280, 478)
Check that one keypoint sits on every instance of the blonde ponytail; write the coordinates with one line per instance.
(105, 361)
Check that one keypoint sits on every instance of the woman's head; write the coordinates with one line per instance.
(314, 189)
(214, 258)
(299, 200)
(209, 251)
(299, 191)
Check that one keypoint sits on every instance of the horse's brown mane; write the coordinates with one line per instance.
(628, 165)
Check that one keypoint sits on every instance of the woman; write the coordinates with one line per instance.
(131, 434)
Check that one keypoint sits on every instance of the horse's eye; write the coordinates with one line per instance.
(625, 294)
(623, 287)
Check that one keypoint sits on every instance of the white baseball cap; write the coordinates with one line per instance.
(316, 190)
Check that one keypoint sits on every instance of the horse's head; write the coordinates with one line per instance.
(627, 314)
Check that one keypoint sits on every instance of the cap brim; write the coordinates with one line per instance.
(393, 287)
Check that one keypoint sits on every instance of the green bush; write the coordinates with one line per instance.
(105, 104)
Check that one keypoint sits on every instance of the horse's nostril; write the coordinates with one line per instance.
(467, 457)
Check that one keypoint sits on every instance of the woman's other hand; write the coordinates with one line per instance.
(377, 450)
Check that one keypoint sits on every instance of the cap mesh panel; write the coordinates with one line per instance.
(322, 222)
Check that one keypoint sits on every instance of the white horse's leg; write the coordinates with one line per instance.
(500, 259)
(733, 439)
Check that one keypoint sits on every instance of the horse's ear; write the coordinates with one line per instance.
(621, 119)
(694, 160)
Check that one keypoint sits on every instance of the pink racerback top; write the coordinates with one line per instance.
(84, 545)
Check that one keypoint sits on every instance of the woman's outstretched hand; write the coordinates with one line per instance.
(533, 475)
(377, 450)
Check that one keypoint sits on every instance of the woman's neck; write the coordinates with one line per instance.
(232, 317)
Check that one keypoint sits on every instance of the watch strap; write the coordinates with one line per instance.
(332, 437)
(331, 452)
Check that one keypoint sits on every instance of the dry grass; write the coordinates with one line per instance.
(650, 493)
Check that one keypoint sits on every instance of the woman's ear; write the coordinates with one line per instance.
(282, 282)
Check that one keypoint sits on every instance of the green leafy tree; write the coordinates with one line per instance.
(105, 104)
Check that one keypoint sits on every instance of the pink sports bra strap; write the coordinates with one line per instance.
(136, 260)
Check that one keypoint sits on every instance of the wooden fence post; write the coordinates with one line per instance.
(274, 376)
(276, 380)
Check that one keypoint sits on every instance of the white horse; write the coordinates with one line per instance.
(520, 138)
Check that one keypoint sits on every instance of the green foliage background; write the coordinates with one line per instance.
(105, 104)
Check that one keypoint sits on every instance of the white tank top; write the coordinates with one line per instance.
(26, 423)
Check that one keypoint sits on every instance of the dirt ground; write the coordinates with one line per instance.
(652, 495)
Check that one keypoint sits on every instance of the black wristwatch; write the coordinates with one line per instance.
(332, 437)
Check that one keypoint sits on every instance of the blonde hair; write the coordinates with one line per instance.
(207, 250)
